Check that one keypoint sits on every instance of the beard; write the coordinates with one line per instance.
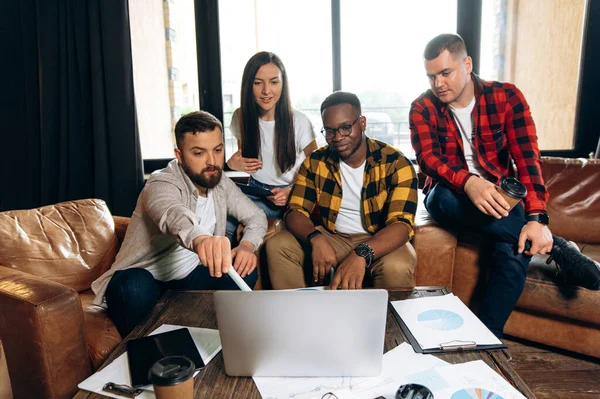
(204, 180)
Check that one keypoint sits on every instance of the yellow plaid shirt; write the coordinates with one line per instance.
(389, 192)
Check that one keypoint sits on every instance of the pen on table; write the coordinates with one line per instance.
(238, 280)
(331, 274)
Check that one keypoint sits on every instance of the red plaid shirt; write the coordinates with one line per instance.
(504, 133)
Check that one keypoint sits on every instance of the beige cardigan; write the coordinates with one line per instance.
(165, 216)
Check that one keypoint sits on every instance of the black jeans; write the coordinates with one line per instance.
(509, 268)
(132, 293)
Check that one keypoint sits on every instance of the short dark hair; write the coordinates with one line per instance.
(446, 41)
(195, 122)
(341, 97)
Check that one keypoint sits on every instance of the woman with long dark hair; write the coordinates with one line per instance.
(273, 138)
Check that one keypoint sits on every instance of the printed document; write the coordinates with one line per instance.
(398, 364)
(443, 321)
(207, 341)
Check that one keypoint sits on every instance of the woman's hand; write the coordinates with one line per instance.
(280, 195)
(248, 165)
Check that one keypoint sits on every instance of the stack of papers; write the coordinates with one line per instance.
(401, 365)
(207, 341)
(443, 321)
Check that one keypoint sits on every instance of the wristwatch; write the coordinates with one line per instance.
(541, 217)
(313, 234)
(365, 251)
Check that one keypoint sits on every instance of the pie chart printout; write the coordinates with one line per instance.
(439, 319)
(475, 393)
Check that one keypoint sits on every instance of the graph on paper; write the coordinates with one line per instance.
(475, 393)
(442, 321)
(439, 319)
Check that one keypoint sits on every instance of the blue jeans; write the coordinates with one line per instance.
(270, 209)
(509, 268)
(132, 293)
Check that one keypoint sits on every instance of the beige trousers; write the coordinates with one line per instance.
(289, 267)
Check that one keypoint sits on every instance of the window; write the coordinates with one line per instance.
(165, 73)
(377, 54)
(382, 59)
(298, 32)
(536, 45)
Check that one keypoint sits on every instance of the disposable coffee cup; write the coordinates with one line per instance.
(512, 190)
(172, 378)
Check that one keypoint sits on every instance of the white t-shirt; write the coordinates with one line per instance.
(269, 173)
(348, 220)
(179, 261)
(464, 121)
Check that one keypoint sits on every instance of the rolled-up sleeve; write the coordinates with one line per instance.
(523, 146)
(304, 194)
(402, 201)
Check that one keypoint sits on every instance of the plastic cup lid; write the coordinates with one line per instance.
(513, 187)
(171, 370)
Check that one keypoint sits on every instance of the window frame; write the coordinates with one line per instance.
(469, 16)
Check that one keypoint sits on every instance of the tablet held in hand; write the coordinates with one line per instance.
(255, 191)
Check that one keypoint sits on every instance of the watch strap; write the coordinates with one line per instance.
(312, 235)
(541, 217)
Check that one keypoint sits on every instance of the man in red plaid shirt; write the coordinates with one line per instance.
(468, 134)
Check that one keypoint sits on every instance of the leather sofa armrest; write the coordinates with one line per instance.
(121, 224)
(43, 334)
(5, 389)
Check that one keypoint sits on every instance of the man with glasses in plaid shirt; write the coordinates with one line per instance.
(366, 195)
(467, 134)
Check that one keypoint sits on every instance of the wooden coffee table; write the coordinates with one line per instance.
(196, 309)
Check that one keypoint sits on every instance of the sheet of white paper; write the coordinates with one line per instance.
(443, 320)
(474, 380)
(396, 363)
(207, 341)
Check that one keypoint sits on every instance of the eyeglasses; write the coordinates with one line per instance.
(413, 391)
(407, 391)
(344, 130)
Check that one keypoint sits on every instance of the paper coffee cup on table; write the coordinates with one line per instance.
(172, 378)
(512, 190)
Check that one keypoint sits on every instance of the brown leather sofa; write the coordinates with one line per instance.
(549, 311)
(53, 336)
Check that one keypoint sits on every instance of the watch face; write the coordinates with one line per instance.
(363, 251)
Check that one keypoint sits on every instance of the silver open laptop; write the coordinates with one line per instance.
(306, 333)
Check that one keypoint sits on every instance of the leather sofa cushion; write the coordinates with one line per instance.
(546, 292)
(591, 250)
(560, 301)
(71, 243)
(100, 332)
(574, 204)
(435, 248)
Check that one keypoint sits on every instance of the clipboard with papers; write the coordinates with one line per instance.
(442, 323)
